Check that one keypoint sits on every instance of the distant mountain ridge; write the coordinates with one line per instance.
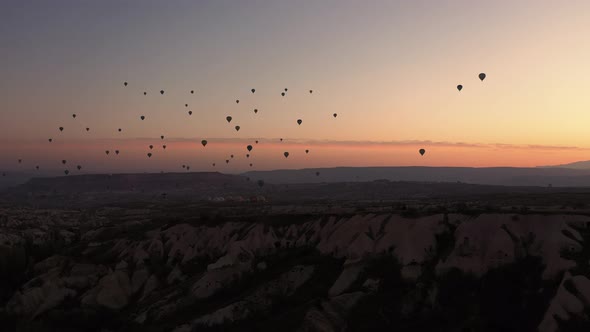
(504, 176)
(575, 165)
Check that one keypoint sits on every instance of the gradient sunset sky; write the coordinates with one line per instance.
(388, 68)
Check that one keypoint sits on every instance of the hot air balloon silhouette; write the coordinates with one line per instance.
(249, 147)
(161, 92)
(37, 167)
(116, 152)
(64, 162)
(142, 118)
(299, 122)
(204, 142)
(250, 165)
(151, 147)
(256, 142)
(67, 172)
(335, 114)
(286, 154)
(282, 94)
(20, 161)
(232, 156)
(253, 90)
(149, 154)
(107, 152)
(286, 89)
(185, 105)
(119, 129)
(281, 139)
(482, 76)
(50, 140)
(459, 87)
(61, 128)
(125, 83)
(183, 166)
(190, 112)
(237, 128)
(237, 101)
(162, 137)
(228, 118)
(306, 151)
(422, 151)
(87, 129)
(145, 93)
(79, 167)
(247, 155)
(310, 91)
(164, 147)
(74, 115)
(227, 161)
(192, 92)
(255, 110)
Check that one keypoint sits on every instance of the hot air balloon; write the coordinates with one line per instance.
(260, 183)
(459, 87)
(237, 128)
(306, 151)
(149, 154)
(142, 118)
(79, 167)
(119, 129)
(237, 101)
(87, 129)
(161, 92)
(227, 161)
(61, 128)
(183, 166)
(255, 110)
(74, 115)
(125, 83)
(204, 142)
(117, 152)
(282, 94)
(20, 161)
(213, 164)
(422, 151)
(250, 165)
(335, 115)
(145, 93)
(482, 76)
(67, 172)
(253, 90)
(190, 112)
(50, 140)
(64, 162)
(107, 152)
(285, 89)
(310, 91)
(164, 147)
(247, 155)
(299, 122)
(37, 167)
(162, 137)
(185, 105)
(228, 118)
(249, 147)
(151, 146)
(188, 168)
(232, 156)
(281, 139)
(286, 154)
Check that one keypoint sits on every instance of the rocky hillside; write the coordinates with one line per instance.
(122, 270)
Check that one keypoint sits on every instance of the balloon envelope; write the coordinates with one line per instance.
(482, 76)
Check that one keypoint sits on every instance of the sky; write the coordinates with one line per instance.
(389, 69)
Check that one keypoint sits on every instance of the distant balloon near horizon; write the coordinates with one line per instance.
(459, 87)
(161, 92)
(282, 94)
(286, 154)
(335, 115)
(204, 142)
(237, 128)
(249, 147)
(107, 152)
(125, 83)
(74, 115)
(422, 151)
(255, 110)
(142, 117)
(237, 101)
(61, 128)
(149, 154)
(228, 119)
(253, 90)
(482, 76)
(299, 121)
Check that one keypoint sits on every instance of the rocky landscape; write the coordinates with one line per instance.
(162, 266)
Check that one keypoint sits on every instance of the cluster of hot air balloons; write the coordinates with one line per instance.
(482, 76)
